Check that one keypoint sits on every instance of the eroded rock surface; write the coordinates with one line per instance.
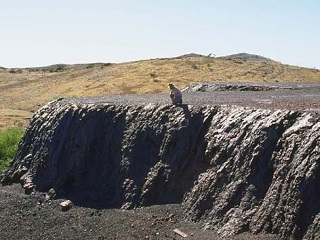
(233, 168)
(263, 175)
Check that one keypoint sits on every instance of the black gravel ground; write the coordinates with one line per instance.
(289, 96)
(29, 217)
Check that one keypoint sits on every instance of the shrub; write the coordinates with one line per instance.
(59, 68)
(9, 140)
(153, 75)
(194, 66)
(90, 66)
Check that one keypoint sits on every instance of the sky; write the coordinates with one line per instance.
(38, 33)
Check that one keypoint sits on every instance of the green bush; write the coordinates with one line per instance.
(9, 140)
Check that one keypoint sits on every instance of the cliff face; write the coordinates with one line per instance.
(235, 169)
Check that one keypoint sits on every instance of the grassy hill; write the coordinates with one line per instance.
(24, 90)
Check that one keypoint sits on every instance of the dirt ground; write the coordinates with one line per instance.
(30, 217)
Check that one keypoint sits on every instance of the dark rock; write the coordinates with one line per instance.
(51, 194)
(249, 87)
(235, 169)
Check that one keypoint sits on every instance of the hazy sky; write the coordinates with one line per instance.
(43, 32)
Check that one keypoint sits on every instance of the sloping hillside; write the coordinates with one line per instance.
(25, 90)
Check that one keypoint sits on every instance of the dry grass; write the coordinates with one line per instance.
(25, 91)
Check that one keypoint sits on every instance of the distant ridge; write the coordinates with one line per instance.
(238, 56)
(247, 57)
(191, 55)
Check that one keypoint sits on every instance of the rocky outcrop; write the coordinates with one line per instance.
(263, 175)
(251, 87)
(235, 169)
(108, 155)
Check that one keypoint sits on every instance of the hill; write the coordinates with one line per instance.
(24, 90)
(247, 57)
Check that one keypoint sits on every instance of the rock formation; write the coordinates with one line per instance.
(234, 169)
